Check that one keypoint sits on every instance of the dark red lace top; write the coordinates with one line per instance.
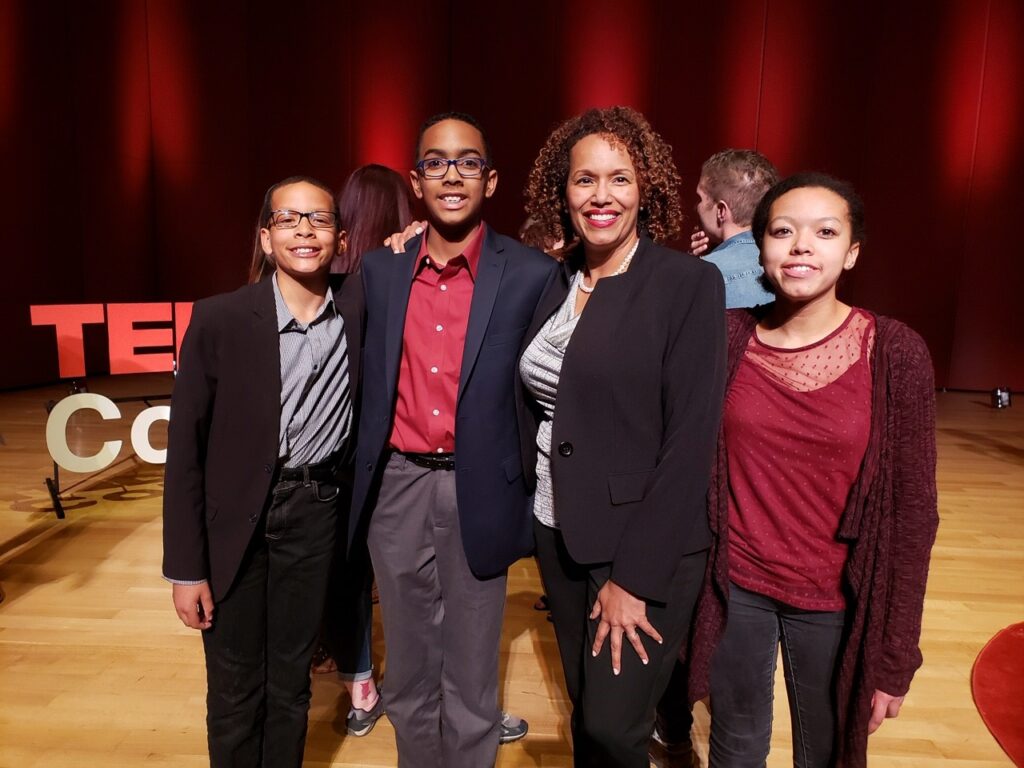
(796, 426)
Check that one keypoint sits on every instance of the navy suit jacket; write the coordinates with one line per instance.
(222, 439)
(491, 488)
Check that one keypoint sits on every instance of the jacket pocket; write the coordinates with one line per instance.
(627, 487)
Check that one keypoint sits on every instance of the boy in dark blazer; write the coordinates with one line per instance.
(258, 463)
(439, 467)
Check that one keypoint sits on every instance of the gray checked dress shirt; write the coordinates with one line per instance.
(316, 400)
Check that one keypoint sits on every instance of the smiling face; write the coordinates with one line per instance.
(304, 251)
(807, 244)
(453, 202)
(602, 195)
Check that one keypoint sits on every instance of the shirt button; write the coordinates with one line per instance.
(565, 449)
(433, 369)
(436, 412)
(444, 287)
(438, 327)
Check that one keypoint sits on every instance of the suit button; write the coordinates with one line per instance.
(369, 467)
(565, 449)
(253, 519)
(267, 468)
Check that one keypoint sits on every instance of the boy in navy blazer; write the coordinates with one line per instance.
(439, 476)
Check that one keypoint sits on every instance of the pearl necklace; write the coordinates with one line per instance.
(622, 268)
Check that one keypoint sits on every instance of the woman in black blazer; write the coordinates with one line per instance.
(625, 375)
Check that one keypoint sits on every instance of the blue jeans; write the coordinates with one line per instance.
(265, 631)
(348, 616)
(743, 680)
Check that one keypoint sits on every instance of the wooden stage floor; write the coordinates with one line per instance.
(95, 668)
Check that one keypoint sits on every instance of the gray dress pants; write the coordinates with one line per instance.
(442, 625)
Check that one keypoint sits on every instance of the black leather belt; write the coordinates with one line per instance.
(431, 460)
(322, 471)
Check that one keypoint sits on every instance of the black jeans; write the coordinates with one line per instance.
(259, 648)
(612, 715)
(743, 681)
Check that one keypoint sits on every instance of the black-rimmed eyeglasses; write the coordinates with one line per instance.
(437, 167)
(287, 219)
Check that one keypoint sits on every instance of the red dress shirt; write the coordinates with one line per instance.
(435, 333)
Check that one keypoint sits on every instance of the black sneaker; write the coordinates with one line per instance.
(671, 754)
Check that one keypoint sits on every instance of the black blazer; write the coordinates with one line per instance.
(222, 439)
(491, 489)
(637, 414)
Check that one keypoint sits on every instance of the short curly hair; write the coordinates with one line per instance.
(657, 176)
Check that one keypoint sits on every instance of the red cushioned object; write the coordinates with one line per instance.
(996, 682)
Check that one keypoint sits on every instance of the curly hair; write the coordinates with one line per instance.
(658, 179)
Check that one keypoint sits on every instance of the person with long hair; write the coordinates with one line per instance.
(624, 366)
(822, 502)
(374, 202)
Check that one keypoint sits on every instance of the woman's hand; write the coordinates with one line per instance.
(699, 241)
(882, 706)
(398, 240)
(621, 614)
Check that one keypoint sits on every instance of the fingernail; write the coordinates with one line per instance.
(644, 661)
(615, 671)
(593, 653)
(419, 230)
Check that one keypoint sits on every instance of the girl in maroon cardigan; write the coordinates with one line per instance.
(822, 504)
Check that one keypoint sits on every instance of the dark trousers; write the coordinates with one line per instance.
(259, 648)
(613, 715)
(743, 681)
(675, 716)
(348, 616)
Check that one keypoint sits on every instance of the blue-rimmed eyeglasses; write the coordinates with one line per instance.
(286, 219)
(437, 167)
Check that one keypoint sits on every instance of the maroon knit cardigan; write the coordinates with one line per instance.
(889, 522)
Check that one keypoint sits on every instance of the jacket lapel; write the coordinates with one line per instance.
(398, 303)
(485, 292)
(348, 300)
(266, 353)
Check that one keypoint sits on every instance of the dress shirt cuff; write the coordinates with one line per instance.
(185, 582)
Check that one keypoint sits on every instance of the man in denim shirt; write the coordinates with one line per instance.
(732, 183)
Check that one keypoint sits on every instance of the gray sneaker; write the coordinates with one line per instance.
(360, 722)
(511, 728)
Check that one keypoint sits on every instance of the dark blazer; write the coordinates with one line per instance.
(222, 439)
(636, 416)
(491, 489)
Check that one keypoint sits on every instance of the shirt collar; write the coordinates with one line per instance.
(471, 254)
(286, 320)
(746, 236)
